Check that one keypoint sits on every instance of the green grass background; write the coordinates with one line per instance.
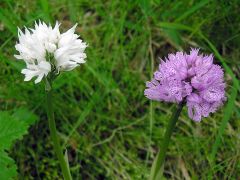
(110, 129)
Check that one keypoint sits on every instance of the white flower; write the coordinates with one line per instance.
(43, 68)
(35, 46)
(70, 52)
(29, 47)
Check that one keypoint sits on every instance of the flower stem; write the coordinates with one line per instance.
(53, 132)
(159, 160)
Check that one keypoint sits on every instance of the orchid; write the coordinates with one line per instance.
(45, 50)
(192, 77)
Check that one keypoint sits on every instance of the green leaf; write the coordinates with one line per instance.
(174, 37)
(25, 115)
(7, 166)
(72, 6)
(46, 10)
(12, 128)
(191, 10)
(7, 21)
(66, 160)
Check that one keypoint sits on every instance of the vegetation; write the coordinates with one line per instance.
(110, 129)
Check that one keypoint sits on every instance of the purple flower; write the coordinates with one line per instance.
(191, 77)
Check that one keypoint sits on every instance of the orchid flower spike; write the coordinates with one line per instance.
(45, 50)
(192, 78)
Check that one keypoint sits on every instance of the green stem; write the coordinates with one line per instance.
(159, 160)
(53, 132)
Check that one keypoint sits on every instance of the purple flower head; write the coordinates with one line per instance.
(192, 77)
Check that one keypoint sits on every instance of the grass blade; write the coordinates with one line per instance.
(8, 23)
(46, 11)
(192, 10)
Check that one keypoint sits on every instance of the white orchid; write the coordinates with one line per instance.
(36, 46)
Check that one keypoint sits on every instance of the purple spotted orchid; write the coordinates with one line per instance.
(190, 77)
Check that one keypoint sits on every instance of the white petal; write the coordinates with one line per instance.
(45, 66)
(39, 78)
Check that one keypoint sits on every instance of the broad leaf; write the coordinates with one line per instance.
(12, 128)
(7, 166)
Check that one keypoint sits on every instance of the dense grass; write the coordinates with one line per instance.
(110, 129)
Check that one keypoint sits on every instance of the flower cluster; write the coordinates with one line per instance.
(190, 77)
(44, 49)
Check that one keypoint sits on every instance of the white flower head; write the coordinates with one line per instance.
(45, 50)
